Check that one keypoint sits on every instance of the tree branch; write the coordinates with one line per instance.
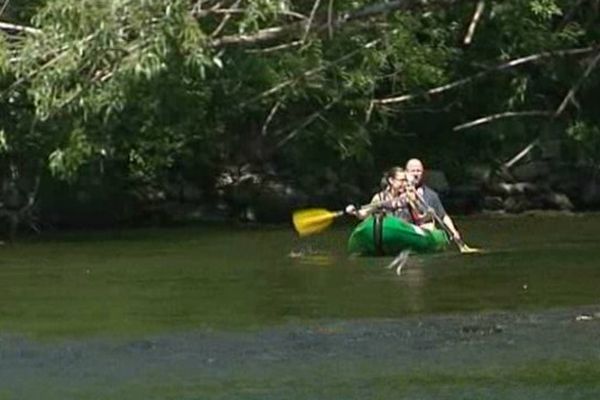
(326, 23)
(4, 5)
(224, 21)
(501, 67)
(558, 111)
(521, 154)
(270, 117)
(507, 114)
(330, 18)
(5, 26)
(311, 18)
(474, 21)
(198, 12)
(275, 48)
(307, 74)
(307, 121)
(577, 85)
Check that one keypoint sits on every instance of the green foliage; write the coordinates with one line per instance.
(151, 88)
(89, 53)
(65, 162)
(584, 141)
(4, 57)
(545, 9)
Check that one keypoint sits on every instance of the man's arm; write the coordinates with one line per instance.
(450, 224)
(364, 212)
(437, 206)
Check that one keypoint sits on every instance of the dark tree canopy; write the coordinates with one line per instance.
(147, 90)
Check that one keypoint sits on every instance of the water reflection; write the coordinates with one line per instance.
(235, 279)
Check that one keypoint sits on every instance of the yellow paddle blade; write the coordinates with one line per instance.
(312, 220)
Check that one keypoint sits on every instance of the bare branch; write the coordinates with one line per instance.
(275, 48)
(5, 26)
(224, 21)
(558, 111)
(4, 5)
(501, 67)
(311, 18)
(521, 154)
(570, 95)
(474, 21)
(199, 12)
(330, 18)
(507, 114)
(261, 36)
(307, 121)
(270, 117)
(328, 23)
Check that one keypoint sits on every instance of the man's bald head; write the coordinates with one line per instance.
(414, 163)
(414, 169)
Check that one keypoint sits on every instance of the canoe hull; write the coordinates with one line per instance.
(388, 235)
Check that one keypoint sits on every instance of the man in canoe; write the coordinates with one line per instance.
(421, 214)
(392, 200)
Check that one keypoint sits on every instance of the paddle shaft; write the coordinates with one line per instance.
(368, 208)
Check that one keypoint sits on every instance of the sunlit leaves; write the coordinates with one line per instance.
(65, 161)
(585, 137)
(3, 142)
(85, 45)
(545, 9)
(519, 87)
(258, 12)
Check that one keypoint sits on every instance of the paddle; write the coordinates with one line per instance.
(314, 220)
(462, 246)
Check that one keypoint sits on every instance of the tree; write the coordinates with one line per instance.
(153, 88)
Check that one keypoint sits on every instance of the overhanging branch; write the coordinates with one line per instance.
(500, 67)
(507, 114)
(327, 22)
(308, 74)
(8, 27)
(474, 21)
(558, 111)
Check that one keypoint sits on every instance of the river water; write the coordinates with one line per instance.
(255, 313)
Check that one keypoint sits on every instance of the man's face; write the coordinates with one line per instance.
(415, 171)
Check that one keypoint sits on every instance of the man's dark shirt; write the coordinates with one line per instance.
(433, 200)
(420, 215)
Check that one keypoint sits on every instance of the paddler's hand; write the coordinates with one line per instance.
(350, 209)
(410, 191)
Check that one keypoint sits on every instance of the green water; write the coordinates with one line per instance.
(258, 313)
(131, 283)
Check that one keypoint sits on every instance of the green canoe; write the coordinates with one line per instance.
(379, 235)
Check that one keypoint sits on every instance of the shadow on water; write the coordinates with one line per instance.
(260, 313)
